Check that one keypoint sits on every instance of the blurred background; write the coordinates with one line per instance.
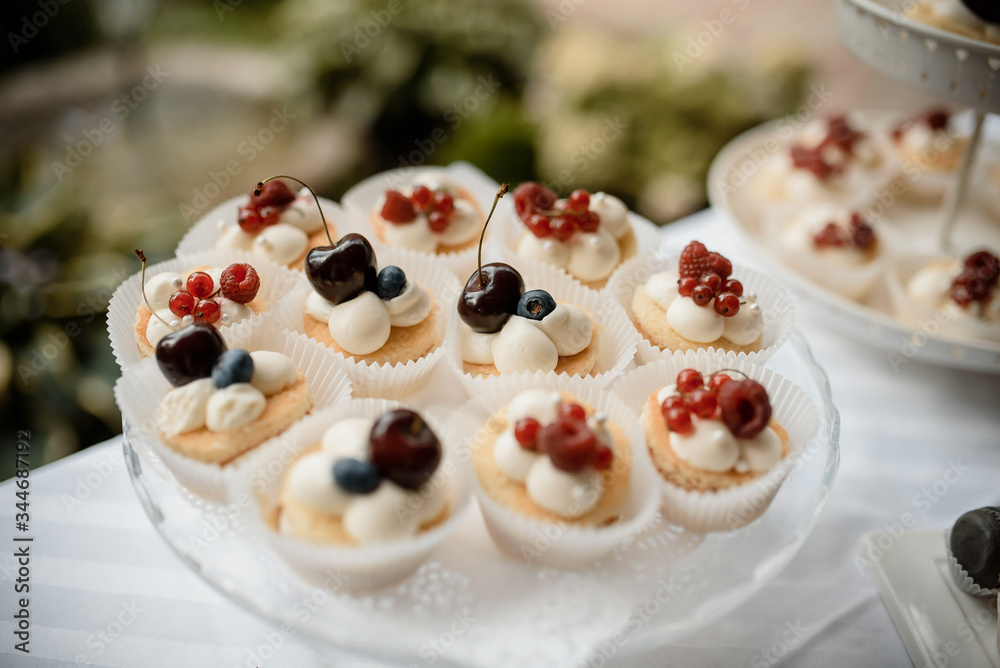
(125, 121)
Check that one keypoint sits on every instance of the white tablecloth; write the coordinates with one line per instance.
(107, 591)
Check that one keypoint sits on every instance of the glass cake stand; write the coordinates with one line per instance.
(468, 604)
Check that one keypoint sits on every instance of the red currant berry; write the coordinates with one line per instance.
(734, 286)
(727, 304)
(679, 420)
(702, 295)
(579, 200)
(673, 401)
(250, 221)
(207, 310)
(422, 197)
(703, 403)
(712, 280)
(540, 225)
(563, 228)
(572, 411)
(444, 202)
(686, 285)
(525, 431)
(181, 303)
(589, 221)
(438, 222)
(603, 458)
(200, 284)
(689, 380)
(717, 381)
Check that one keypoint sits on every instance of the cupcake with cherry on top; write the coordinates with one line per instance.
(586, 235)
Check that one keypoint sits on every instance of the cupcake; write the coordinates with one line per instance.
(974, 551)
(586, 235)
(556, 458)
(929, 153)
(835, 246)
(829, 158)
(368, 488)
(698, 306)
(963, 296)
(978, 20)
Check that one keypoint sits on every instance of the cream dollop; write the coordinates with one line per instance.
(272, 372)
(182, 409)
(310, 480)
(349, 438)
(590, 256)
(281, 243)
(566, 494)
(233, 237)
(158, 327)
(477, 347)
(569, 327)
(613, 214)
(661, 287)
(234, 406)
(360, 325)
(231, 312)
(302, 213)
(520, 346)
(409, 307)
(541, 405)
(159, 288)
(547, 250)
(700, 324)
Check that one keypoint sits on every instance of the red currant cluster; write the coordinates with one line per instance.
(545, 215)
(568, 441)
(935, 119)
(979, 275)
(265, 209)
(704, 277)
(239, 282)
(742, 405)
(858, 234)
(840, 135)
(437, 205)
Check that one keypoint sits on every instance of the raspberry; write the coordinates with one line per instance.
(397, 208)
(720, 265)
(240, 283)
(745, 408)
(694, 260)
(831, 235)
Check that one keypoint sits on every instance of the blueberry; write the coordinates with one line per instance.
(391, 281)
(356, 477)
(535, 304)
(234, 366)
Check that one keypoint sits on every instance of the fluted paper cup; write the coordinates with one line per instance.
(142, 387)
(961, 577)
(361, 567)
(617, 338)
(360, 200)
(775, 304)
(390, 380)
(275, 283)
(725, 510)
(551, 544)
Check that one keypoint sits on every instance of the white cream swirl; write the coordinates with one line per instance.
(389, 513)
(161, 323)
(302, 213)
(160, 286)
(272, 372)
(182, 409)
(234, 406)
(701, 324)
(281, 243)
(613, 214)
(530, 345)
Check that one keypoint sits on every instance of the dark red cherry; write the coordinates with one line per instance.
(344, 270)
(404, 448)
(189, 353)
(490, 297)
(745, 408)
(569, 443)
(275, 193)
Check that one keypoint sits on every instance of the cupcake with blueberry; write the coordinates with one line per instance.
(962, 295)
(587, 235)
(554, 453)
(722, 439)
(978, 19)
(369, 487)
(929, 152)
(973, 544)
(835, 246)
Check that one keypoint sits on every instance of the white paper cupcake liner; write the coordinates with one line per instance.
(775, 304)
(142, 387)
(961, 577)
(361, 567)
(275, 283)
(360, 200)
(617, 338)
(205, 233)
(733, 508)
(946, 320)
(550, 544)
(384, 380)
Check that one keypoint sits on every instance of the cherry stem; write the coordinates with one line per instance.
(142, 286)
(260, 186)
(504, 187)
(728, 371)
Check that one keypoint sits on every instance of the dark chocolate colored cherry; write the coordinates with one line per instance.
(189, 353)
(404, 448)
(987, 10)
(490, 297)
(344, 270)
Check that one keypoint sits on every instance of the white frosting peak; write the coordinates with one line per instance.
(233, 237)
(159, 288)
(569, 327)
(281, 243)
(593, 255)
(700, 324)
(272, 372)
(183, 408)
(156, 329)
(520, 346)
(348, 438)
(360, 325)
(662, 288)
(566, 494)
(410, 306)
(613, 213)
(234, 406)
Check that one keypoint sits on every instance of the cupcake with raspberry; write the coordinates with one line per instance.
(557, 326)
(273, 222)
(930, 152)
(586, 235)
(722, 439)
(700, 301)
(828, 159)
(369, 488)
(961, 295)
(435, 210)
(215, 403)
(557, 453)
(835, 246)
(227, 290)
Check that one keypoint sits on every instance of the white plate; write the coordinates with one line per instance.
(916, 227)
(940, 625)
